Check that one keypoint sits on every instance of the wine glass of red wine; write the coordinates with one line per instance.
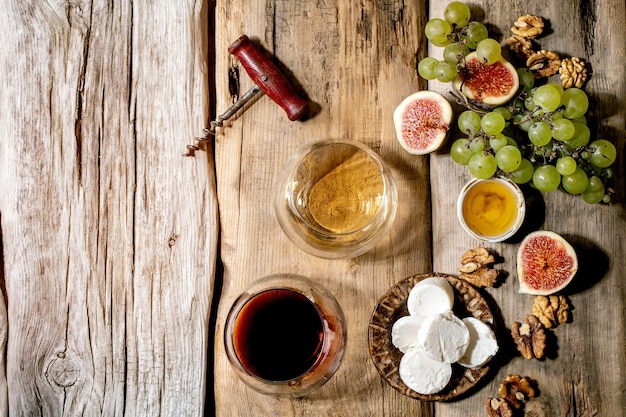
(285, 335)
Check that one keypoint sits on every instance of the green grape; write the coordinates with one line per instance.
(529, 103)
(602, 153)
(488, 51)
(477, 144)
(558, 86)
(595, 184)
(426, 68)
(437, 31)
(518, 105)
(455, 52)
(566, 165)
(523, 173)
(581, 119)
(547, 97)
(540, 133)
(483, 165)
(506, 113)
(593, 196)
(526, 78)
(498, 141)
(581, 136)
(556, 115)
(445, 71)
(457, 14)
(492, 123)
(508, 158)
(576, 182)
(469, 122)
(563, 129)
(474, 32)
(546, 178)
(460, 151)
(442, 43)
(523, 122)
(508, 129)
(575, 102)
(608, 173)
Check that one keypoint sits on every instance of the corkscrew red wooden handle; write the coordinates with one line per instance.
(268, 77)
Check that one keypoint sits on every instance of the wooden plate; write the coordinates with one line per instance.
(467, 302)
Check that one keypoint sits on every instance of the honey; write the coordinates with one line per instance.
(491, 208)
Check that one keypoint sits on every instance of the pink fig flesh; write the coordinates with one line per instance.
(493, 84)
(422, 121)
(546, 263)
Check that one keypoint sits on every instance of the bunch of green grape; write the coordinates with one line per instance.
(458, 36)
(554, 150)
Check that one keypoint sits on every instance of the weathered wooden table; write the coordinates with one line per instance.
(115, 284)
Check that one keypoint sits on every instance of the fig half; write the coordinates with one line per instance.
(422, 121)
(546, 263)
(487, 85)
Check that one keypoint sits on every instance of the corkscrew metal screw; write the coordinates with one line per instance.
(268, 79)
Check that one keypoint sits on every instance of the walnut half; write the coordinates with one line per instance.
(530, 337)
(522, 46)
(475, 268)
(516, 389)
(543, 63)
(498, 407)
(528, 26)
(572, 72)
(551, 310)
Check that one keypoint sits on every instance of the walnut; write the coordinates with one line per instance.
(475, 268)
(522, 46)
(573, 72)
(479, 255)
(551, 310)
(528, 26)
(543, 63)
(498, 407)
(516, 389)
(530, 337)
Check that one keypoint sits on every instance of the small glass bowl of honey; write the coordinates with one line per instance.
(492, 209)
(335, 198)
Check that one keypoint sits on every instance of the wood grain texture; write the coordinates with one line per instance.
(583, 375)
(353, 63)
(109, 236)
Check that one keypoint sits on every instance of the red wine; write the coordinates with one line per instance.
(278, 334)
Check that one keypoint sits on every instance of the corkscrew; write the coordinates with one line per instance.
(267, 78)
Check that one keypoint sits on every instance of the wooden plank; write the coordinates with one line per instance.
(355, 62)
(586, 375)
(108, 235)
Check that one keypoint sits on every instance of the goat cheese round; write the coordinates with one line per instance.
(444, 337)
(423, 374)
(483, 344)
(432, 295)
(404, 332)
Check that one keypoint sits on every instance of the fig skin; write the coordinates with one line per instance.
(553, 255)
(420, 133)
(493, 82)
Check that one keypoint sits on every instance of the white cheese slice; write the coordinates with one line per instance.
(432, 295)
(423, 374)
(404, 332)
(444, 337)
(483, 344)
